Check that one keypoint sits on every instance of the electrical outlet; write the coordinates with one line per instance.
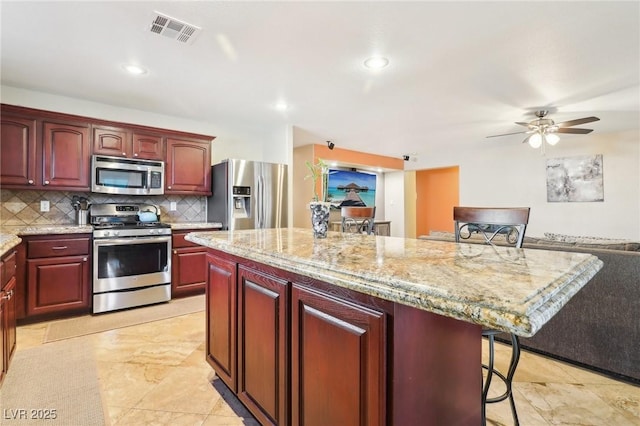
(44, 206)
(174, 206)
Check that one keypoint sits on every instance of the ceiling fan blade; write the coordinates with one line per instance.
(507, 134)
(575, 131)
(577, 121)
(523, 123)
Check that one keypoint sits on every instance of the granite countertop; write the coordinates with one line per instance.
(196, 225)
(7, 242)
(46, 229)
(514, 290)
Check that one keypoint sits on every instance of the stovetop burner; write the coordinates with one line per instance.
(121, 220)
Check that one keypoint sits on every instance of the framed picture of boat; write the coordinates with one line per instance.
(351, 188)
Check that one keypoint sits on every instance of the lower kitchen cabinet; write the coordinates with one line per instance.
(7, 312)
(337, 361)
(298, 355)
(58, 275)
(221, 319)
(188, 266)
(262, 345)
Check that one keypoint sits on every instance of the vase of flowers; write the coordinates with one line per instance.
(319, 209)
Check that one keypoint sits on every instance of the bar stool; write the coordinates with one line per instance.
(491, 224)
(357, 219)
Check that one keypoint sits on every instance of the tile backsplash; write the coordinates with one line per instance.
(22, 207)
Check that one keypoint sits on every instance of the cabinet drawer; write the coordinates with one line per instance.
(8, 269)
(179, 241)
(53, 248)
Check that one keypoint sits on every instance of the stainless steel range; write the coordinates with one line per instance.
(131, 256)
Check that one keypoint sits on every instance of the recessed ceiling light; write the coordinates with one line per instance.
(282, 106)
(376, 62)
(134, 69)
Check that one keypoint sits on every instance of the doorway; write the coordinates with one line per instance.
(437, 192)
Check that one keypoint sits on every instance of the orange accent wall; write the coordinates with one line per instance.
(437, 192)
(356, 157)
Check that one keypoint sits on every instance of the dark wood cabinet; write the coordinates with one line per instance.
(7, 312)
(122, 142)
(337, 361)
(65, 154)
(188, 266)
(111, 141)
(221, 321)
(263, 345)
(147, 146)
(298, 354)
(188, 167)
(18, 151)
(58, 275)
(52, 151)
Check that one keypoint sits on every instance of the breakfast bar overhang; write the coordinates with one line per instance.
(361, 329)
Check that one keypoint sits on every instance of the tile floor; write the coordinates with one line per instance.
(156, 374)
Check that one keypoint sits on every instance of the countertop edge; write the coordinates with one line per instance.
(524, 324)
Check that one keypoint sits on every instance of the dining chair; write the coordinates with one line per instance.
(493, 225)
(358, 219)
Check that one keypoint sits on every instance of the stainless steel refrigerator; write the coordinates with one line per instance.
(248, 195)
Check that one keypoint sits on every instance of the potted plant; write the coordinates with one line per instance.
(319, 209)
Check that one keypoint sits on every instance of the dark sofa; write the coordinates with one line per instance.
(600, 326)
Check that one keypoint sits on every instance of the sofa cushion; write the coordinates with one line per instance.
(593, 242)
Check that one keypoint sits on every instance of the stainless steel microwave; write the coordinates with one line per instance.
(115, 175)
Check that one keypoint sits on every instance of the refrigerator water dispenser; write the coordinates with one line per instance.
(241, 202)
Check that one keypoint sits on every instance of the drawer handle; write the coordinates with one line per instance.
(7, 296)
(59, 248)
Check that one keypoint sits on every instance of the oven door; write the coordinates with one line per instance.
(129, 263)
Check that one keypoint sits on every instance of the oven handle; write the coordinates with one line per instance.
(130, 240)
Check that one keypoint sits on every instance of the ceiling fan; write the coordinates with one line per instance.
(544, 129)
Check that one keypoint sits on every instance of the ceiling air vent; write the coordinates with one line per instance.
(174, 28)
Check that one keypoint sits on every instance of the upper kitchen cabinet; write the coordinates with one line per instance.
(120, 142)
(66, 156)
(43, 152)
(52, 150)
(18, 151)
(188, 167)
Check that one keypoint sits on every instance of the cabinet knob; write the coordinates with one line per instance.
(46, 182)
(135, 155)
(175, 252)
(84, 259)
(168, 187)
(124, 154)
(30, 181)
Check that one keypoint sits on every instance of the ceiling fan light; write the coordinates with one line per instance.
(552, 138)
(535, 140)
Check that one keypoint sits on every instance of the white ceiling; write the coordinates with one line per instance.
(459, 71)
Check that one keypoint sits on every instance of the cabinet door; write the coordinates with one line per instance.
(221, 318)
(188, 271)
(58, 285)
(337, 361)
(4, 364)
(111, 141)
(9, 325)
(18, 151)
(262, 346)
(148, 147)
(188, 167)
(66, 156)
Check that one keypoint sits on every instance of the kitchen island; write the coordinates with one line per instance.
(357, 329)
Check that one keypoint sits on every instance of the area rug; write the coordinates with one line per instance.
(54, 384)
(89, 324)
